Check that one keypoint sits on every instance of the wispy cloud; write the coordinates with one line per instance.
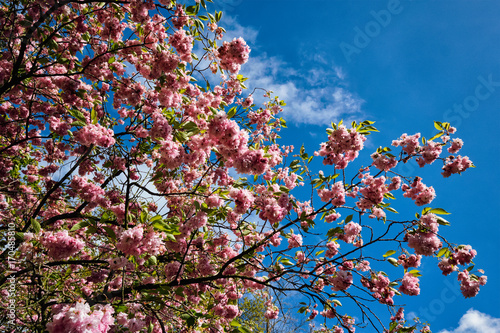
(316, 91)
(474, 321)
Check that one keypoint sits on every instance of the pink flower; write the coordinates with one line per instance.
(424, 243)
(95, 134)
(456, 165)
(295, 240)
(60, 245)
(232, 55)
(409, 285)
(456, 145)
(351, 232)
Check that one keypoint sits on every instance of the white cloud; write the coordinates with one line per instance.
(474, 321)
(316, 90)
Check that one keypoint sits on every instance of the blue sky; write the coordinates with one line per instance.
(418, 61)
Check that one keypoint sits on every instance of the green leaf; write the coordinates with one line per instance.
(442, 221)
(442, 252)
(36, 226)
(231, 112)
(440, 211)
(336, 301)
(78, 123)
(391, 210)
(152, 261)
(110, 232)
(235, 323)
(78, 114)
(93, 116)
(348, 218)
(436, 136)
(393, 262)
(415, 273)
(389, 253)
(80, 225)
(437, 125)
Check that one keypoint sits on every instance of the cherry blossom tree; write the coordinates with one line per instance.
(142, 190)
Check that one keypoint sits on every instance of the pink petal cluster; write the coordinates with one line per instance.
(456, 145)
(469, 285)
(183, 44)
(342, 147)
(336, 194)
(419, 192)
(95, 134)
(429, 222)
(135, 241)
(60, 245)
(79, 319)
(462, 255)
(409, 143)
(180, 19)
(424, 243)
(233, 54)
(430, 152)
(409, 285)
(379, 286)
(341, 281)
(351, 232)
(373, 192)
(295, 240)
(382, 162)
(411, 261)
(456, 165)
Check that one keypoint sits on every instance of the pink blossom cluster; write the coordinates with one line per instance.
(272, 310)
(469, 284)
(342, 147)
(373, 191)
(409, 143)
(430, 152)
(80, 319)
(180, 19)
(351, 231)
(336, 194)
(456, 145)
(342, 280)
(61, 245)
(135, 241)
(95, 134)
(89, 192)
(251, 162)
(461, 255)
(409, 285)
(332, 249)
(382, 162)
(424, 243)
(419, 192)
(273, 210)
(395, 183)
(295, 240)
(233, 54)
(411, 261)
(429, 222)
(399, 315)
(183, 44)
(379, 286)
(456, 164)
